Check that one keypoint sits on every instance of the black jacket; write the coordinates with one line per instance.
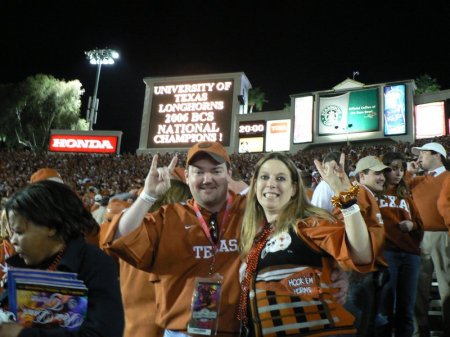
(105, 317)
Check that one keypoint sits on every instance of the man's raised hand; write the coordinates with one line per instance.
(158, 178)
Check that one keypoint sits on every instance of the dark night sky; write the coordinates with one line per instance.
(284, 47)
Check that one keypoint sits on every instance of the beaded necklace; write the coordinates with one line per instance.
(252, 263)
(56, 260)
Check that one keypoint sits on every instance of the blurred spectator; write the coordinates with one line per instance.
(98, 214)
(362, 300)
(46, 174)
(403, 233)
(138, 290)
(431, 194)
(307, 183)
(323, 192)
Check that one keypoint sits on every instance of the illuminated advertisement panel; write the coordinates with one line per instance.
(430, 120)
(83, 143)
(303, 117)
(394, 110)
(251, 145)
(251, 136)
(278, 135)
(185, 113)
(352, 112)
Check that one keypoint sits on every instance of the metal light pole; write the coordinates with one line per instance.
(98, 57)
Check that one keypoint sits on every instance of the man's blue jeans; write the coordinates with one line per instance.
(398, 296)
(361, 302)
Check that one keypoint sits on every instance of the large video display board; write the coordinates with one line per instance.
(394, 110)
(352, 112)
(185, 113)
(251, 136)
(278, 135)
(303, 132)
(430, 120)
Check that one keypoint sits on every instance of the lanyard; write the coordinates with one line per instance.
(220, 225)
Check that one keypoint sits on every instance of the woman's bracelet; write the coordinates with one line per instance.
(346, 212)
(147, 197)
(348, 204)
(345, 199)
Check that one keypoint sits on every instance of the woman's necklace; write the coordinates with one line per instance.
(252, 264)
(56, 260)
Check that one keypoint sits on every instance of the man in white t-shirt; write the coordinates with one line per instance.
(323, 192)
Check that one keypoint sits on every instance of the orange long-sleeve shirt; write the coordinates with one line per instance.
(171, 244)
(393, 210)
(431, 196)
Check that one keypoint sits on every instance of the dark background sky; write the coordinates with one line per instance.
(284, 47)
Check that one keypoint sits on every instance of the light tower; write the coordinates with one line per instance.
(98, 57)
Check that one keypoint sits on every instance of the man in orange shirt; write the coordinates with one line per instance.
(431, 194)
(362, 297)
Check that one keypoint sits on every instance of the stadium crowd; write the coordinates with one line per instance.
(109, 175)
(99, 180)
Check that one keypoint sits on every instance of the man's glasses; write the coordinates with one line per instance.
(213, 227)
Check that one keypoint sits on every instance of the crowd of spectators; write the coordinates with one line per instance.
(109, 175)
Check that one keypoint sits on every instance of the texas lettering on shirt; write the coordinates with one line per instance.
(394, 202)
(207, 252)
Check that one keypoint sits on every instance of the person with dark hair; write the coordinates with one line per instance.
(235, 182)
(51, 174)
(289, 247)
(47, 222)
(307, 183)
(431, 194)
(101, 210)
(403, 233)
(323, 192)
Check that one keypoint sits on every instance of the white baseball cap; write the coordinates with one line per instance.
(370, 163)
(436, 147)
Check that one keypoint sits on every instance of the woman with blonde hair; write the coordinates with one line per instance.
(289, 248)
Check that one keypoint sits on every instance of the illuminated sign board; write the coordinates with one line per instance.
(354, 111)
(303, 119)
(185, 113)
(394, 110)
(430, 120)
(278, 135)
(252, 128)
(251, 136)
(83, 143)
(251, 145)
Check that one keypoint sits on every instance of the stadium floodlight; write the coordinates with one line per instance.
(98, 57)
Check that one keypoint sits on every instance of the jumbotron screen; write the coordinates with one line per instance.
(430, 120)
(354, 111)
(251, 136)
(185, 113)
(278, 135)
(303, 117)
(394, 110)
